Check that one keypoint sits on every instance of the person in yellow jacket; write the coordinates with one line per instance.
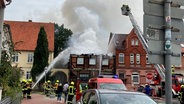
(56, 86)
(71, 92)
(48, 88)
(24, 87)
(29, 88)
(181, 95)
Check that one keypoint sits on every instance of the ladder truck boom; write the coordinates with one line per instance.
(127, 12)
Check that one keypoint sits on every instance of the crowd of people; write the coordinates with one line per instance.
(59, 89)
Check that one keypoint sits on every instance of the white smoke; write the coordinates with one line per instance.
(91, 21)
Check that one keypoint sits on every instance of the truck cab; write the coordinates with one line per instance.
(106, 82)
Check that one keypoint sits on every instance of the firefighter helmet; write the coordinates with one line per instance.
(72, 83)
(29, 80)
(48, 81)
(57, 81)
(24, 80)
(182, 86)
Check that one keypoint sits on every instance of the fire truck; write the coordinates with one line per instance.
(159, 81)
(102, 82)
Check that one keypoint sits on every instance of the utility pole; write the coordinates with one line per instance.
(167, 62)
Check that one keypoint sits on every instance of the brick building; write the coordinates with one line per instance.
(131, 59)
(86, 66)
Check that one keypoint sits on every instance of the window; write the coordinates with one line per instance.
(80, 60)
(131, 58)
(121, 57)
(92, 61)
(15, 57)
(147, 62)
(105, 62)
(84, 76)
(135, 77)
(121, 75)
(28, 75)
(132, 42)
(30, 58)
(136, 41)
(138, 58)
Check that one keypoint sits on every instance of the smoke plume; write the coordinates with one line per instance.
(92, 21)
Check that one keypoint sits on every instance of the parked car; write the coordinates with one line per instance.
(109, 96)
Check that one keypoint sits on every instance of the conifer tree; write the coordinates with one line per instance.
(41, 54)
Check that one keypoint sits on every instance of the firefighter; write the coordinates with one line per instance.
(48, 88)
(71, 91)
(29, 89)
(24, 88)
(44, 87)
(173, 69)
(181, 95)
(56, 86)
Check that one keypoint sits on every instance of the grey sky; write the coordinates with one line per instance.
(51, 11)
(23, 10)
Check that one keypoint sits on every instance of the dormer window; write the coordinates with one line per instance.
(134, 42)
(92, 61)
(80, 60)
(105, 61)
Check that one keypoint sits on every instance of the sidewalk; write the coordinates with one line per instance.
(41, 99)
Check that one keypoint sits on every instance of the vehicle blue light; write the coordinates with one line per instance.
(115, 76)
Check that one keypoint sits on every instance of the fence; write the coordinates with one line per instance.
(8, 100)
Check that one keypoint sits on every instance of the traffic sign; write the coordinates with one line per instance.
(156, 52)
(154, 28)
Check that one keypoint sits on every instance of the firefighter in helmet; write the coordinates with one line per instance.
(24, 87)
(56, 86)
(48, 88)
(181, 95)
(71, 92)
(29, 89)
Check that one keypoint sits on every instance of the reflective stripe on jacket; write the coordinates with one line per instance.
(71, 90)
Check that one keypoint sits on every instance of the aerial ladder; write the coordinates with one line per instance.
(126, 11)
(159, 67)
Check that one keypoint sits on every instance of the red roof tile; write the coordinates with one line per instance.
(25, 34)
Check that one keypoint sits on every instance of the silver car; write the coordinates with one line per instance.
(107, 96)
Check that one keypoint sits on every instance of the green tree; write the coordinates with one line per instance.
(62, 36)
(9, 75)
(41, 54)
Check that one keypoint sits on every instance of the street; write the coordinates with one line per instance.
(38, 98)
